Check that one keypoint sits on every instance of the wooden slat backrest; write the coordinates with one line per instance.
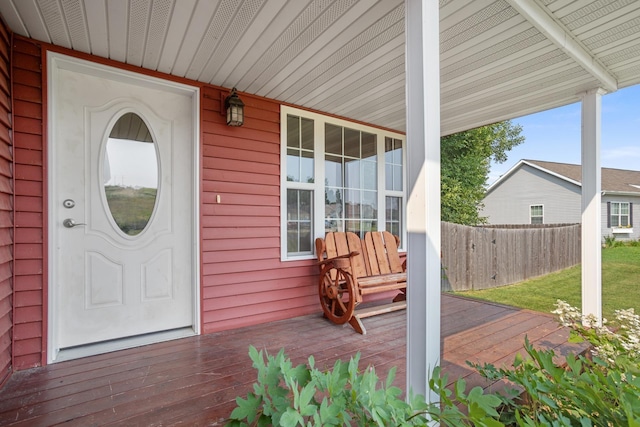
(339, 243)
(381, 249)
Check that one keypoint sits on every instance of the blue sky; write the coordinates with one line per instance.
(554, 135)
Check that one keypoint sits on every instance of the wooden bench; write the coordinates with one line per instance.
(351, 268)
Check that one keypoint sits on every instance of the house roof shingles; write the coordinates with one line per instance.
(612, 180)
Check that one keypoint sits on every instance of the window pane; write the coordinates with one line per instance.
(333, 139)
(333, 171)
(293, 165)
(368, 145)
(292, 205)
(369, 175)
(292, 237)
(369, 205)
(388, 176)
(333, 225)
(397, 178)
(393, 167)
(333, 202)
(306, 166)
(352, 204)
(353, 226)
(614, 221)
(299, 221)
(393, 213)
(293, 131)
(304, 202)
(397, 152)
(352, 173)
(369, 225)
(615, 208)
(307, 134)
(305, 237)
(624, 208)
(388, 150)
(351, 143)
(131, 181)
(393, 208)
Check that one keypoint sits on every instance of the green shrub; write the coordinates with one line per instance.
(287, 395)
(611, 242)
(597, 389)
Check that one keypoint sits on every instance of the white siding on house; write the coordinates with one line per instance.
(510, 200)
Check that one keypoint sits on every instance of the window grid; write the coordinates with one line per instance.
(537, 214)
(300, 153)
(620, 214)
(299, 221)
(393, 164)
(339, 168)
(350, 180)
(300, 174)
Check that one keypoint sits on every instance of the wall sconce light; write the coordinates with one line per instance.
(235, 109)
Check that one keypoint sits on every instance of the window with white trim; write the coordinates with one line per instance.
(619, 215)
(536, 214)
(337, 176)
(300, 179)
(393, 185)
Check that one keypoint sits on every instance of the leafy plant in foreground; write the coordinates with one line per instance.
(287, 395)
(601, 389)
(598, 389)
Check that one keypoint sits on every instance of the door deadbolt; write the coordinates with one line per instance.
(68, 203)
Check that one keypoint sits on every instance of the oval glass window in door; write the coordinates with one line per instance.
(130, 174)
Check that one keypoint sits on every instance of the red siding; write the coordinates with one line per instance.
(243, 280)
(7, 331)
(29, 206)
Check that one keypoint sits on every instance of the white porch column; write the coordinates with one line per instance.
(423, 205)
(591, 204)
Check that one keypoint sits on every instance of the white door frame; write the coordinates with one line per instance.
(55, 62)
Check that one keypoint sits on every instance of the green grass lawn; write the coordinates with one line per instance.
(620, 285)
(131, 207)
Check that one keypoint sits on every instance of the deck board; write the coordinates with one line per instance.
(194, 381)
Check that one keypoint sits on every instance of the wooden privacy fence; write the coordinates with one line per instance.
(485, 257)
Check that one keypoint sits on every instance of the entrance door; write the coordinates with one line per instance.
(122, 202)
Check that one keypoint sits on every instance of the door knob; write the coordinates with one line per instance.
(70, 223)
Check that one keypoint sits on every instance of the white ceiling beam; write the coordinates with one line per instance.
(564, 39)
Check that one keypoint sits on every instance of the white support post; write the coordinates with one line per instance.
(591, 205)
(423, 205)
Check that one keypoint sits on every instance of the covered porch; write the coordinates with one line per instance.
(194, 381)
(415, 70)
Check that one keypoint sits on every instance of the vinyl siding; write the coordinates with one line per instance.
(6, 209)
(29, 340)
(509, 202)
(243, 280)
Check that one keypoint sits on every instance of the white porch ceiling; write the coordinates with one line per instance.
(499, 59)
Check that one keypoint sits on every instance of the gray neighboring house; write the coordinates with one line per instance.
(537, 192)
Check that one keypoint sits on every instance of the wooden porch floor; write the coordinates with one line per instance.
(194, 381)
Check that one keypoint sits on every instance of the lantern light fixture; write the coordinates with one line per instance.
(235, 109)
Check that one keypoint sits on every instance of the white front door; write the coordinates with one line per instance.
(121, 207)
